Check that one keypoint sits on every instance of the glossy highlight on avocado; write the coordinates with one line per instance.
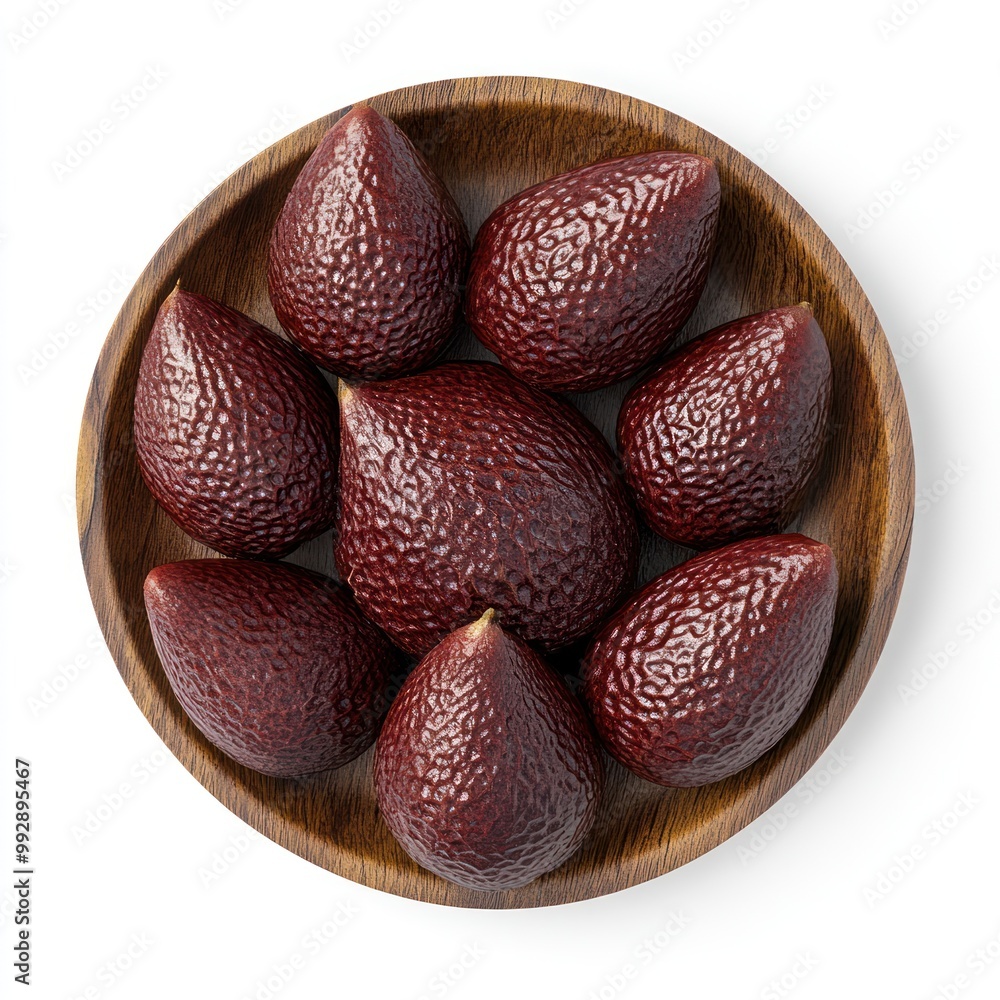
(235, 431)
(709, 665)
(486, 770)
(368, 254)
(585, 278)
(463, 489)
(273, 663)
(721, 441)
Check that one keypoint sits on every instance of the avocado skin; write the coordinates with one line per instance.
(368, 254)
(235, 431)
(486, 770)
(710, 664)
(720, 443)
(463, 489)
(273, 663)
(580, 281)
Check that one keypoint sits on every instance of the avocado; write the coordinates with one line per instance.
(709, 665)
(235, 431)
(580, 281)
(462, 489)
(368, 254)
(273, 663)
(721, 441)
(486, 770)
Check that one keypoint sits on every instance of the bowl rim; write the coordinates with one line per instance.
(440, 96)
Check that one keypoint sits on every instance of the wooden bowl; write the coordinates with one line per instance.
(489, 138)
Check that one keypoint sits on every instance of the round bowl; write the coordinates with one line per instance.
(489, 138)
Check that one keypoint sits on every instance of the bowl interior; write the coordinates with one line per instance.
(488, 139)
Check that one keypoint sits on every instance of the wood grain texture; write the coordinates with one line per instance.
(489, 138)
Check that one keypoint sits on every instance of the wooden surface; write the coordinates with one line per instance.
(489, 138)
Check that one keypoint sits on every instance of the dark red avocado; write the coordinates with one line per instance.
(368, 254)
(585, 278)
(463, 489)
(708, 666)
(273, 663)
(721, 442)
(235, 431)
(486, 769)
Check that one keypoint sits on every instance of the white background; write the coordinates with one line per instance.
(879, 874)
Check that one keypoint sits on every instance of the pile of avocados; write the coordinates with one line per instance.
(481, 525)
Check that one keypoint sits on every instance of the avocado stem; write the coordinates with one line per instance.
(489, 616)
